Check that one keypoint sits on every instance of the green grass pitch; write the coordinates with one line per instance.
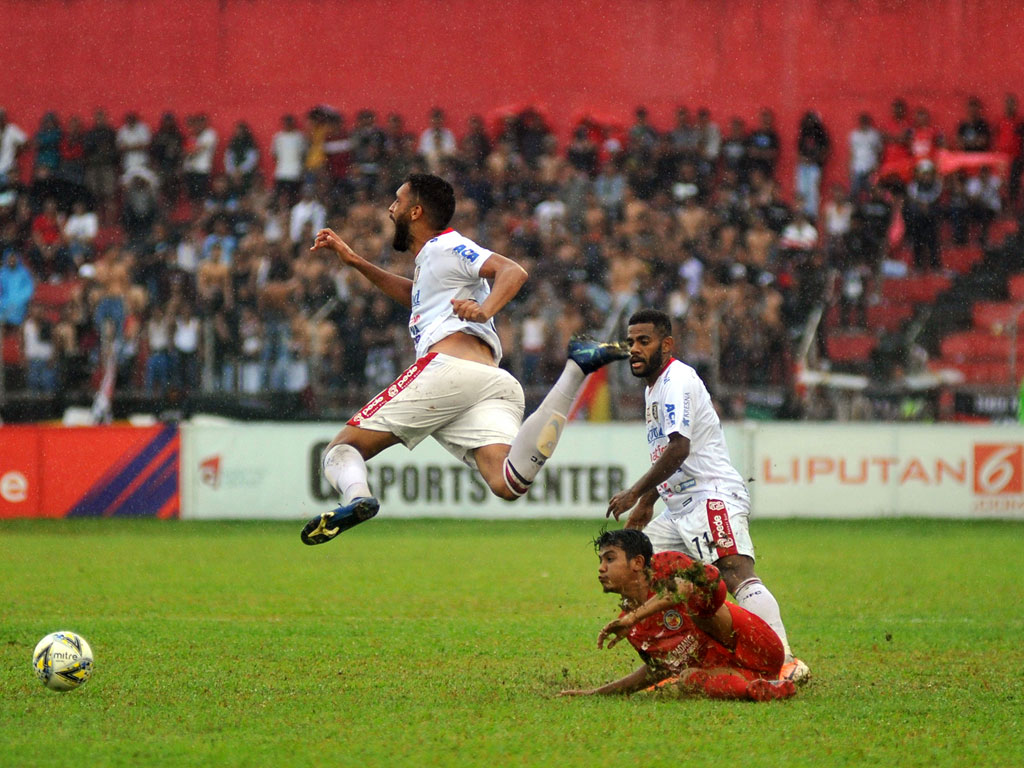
(445, 642)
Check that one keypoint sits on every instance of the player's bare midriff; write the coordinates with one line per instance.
(466, 347)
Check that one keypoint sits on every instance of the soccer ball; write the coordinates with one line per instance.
(62, 661)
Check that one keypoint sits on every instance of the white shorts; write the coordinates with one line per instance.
(713, 526)
(461, 404)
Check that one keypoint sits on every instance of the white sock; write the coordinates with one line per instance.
(537, 438)
(755, 597)
(345, 470)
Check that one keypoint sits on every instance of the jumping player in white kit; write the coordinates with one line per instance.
(706, 500)
(454, 392)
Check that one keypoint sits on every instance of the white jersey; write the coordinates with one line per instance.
(447, 268)
(678, 402)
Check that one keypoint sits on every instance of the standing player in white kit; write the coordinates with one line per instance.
(706, 500)
(455, 392)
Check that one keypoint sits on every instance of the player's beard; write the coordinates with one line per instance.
(653, 363)
(402, 239)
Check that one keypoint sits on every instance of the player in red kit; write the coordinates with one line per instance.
(676, 617)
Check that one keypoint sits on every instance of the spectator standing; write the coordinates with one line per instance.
(1009, 139)
(80, 230)
(709, 143)
(47, 143)
(437, 143)
(974, 134)
(642, 136)
(12, 143)
(308, 216)
(763, 145)
(187, 334)
(288, 148)
(16, 289)
(985, 202)
(812, 146)
(685, 135)
(158, 363)
(167, 151)
(734, 150)
(925, 138)
(865, 153)
(241, 158)
(921, 213)
(133, 138)
(72, 154)
(141, 204)
(476, 144)
(197, 165)
(101, 158)
(37, 333)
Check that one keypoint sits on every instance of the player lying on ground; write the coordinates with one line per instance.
(675, 616)
(455, 392)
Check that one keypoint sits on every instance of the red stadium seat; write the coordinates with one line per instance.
(851, 347)
(960, 258)
(976, 346)
(989, 315)
(13, 354)
(889, 315)
(1001, 229)
(919, 288)
(1016, 286)
(53, 296)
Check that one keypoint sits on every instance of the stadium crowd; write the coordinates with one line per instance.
(189, 251)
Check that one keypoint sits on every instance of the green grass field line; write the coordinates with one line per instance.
(430, 642)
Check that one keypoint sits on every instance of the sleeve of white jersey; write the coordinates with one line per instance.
(469, 258)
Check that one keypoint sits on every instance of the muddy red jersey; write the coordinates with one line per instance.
(672, 641)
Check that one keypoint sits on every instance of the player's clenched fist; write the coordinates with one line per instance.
(468, 309)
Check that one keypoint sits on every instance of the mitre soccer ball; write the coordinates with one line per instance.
(62, 661)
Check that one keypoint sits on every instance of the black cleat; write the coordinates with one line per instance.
(325, 527)
(591, 355)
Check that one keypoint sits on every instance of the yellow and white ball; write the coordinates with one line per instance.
(62, 661)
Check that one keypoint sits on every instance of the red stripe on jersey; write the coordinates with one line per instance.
(721, 529)
(407, 377)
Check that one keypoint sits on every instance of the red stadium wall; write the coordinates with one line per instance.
(89, 471)
(256, 59)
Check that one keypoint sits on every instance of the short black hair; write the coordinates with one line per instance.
(660, 320)
(629, 540)
(435, 195)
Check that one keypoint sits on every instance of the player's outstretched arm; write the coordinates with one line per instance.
(636, 680)
(393, 286)
(661, 470)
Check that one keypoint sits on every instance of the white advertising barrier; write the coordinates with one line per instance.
(272, 471)
(845, 470)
